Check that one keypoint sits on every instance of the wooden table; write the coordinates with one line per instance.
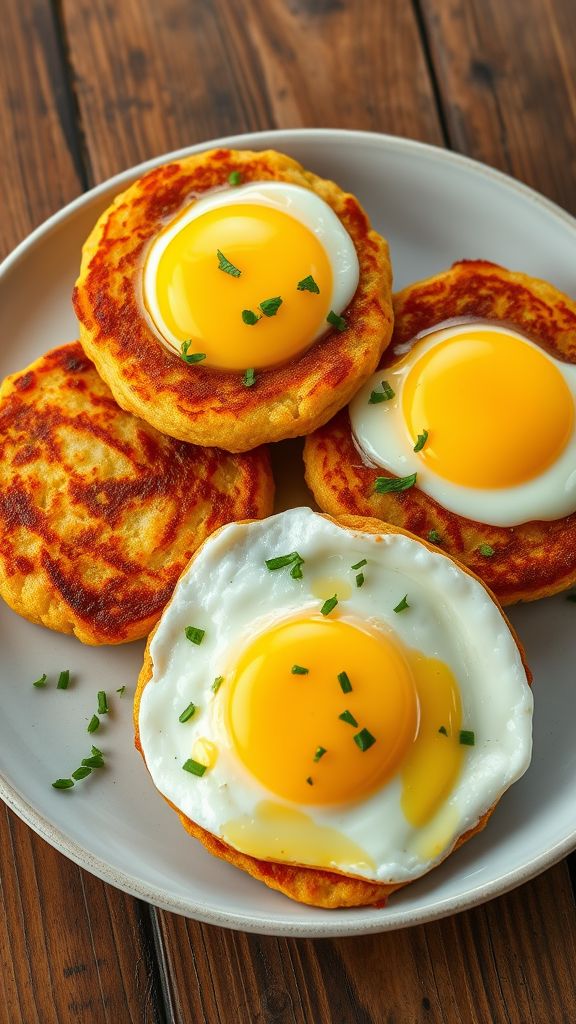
(89, 87)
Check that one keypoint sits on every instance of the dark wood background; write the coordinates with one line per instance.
(89, 87)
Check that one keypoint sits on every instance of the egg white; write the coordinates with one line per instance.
(229, 592)
(300, 203)
(381, 435)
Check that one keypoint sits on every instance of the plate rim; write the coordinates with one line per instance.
(361, 923)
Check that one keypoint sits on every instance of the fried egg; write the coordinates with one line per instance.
(485, 419)
(247, 276)
(333, 698)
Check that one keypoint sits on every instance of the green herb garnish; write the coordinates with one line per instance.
(193, 357)
(364, 739)
(226, 266)
(249, 378)
(319, 752)
(234, 178)
(467, 737)
(310, 780)
(360, 565)
(194, 635)
(486, 551)
(422, 438)
(102, 703)
(348, 717)
(194, 767)
(63, 680)
(299, 670)
(93, 724)
(393, 484)
(345, 684)
(360, 579)
(329, 605)
(271, 306)
(385, 395)
(434, 537)
(308, 284)
(217, 684)
(81, 773)
(63, 783)
(293, 559)
(249, 317)
(95, 761)
(402, 604)
(187, 713)
(121, 690)
(40, 683)
(336, 321)
(443, 730)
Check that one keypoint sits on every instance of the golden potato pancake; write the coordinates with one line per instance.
(314, 886)
(201, 404)
(529, 561)
(99, 513)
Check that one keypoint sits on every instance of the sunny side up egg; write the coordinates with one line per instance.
(333, 698)
(247, 276)
(480, 418)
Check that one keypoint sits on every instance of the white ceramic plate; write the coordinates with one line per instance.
(434, 207)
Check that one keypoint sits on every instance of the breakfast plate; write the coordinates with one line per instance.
(434, 207)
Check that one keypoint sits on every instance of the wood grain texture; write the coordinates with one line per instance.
(508, 962)
(71, 947)
(151, 77)
(39, 158)
(506, 75)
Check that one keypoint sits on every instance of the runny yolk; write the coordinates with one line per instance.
(497, 409)
(197, 300)
(278, 719)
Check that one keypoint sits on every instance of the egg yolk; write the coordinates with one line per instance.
(497, 410)
(302, 733)
(200, 301)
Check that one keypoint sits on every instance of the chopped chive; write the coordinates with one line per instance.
(336, 321)
(293, 559)
(421, 441)
(63, 680)
(402, 604)
(308, 284)
(329, 605)
(63, 783)
(96, 751)
(93, 724)
(348, 717)
(385, 395)
(192, 357)
(360, 565)
(434, 537)
(360, 579)
(443, 730)
(299, 670)
(102, 703)
(345, 684)
(467, 737)
(81, 773)
(310, 780)
(187, 713)
(226, 266)
(194, 634)
(234, 178)
(271, 306)
(393, 484)
(364, 739)
(217, 684)
(40, 683)
(194, 767)
(249, 317)
(249, 378)
(121, 690)
(319, 752)
(95, 761)
(486, 551)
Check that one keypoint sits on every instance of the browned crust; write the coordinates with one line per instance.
(314, 886)
(531, 561)
(98, 512)
(197, 403)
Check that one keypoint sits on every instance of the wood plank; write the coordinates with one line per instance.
(41, 168)
(508, 962)
(506, 75)
(166, 75)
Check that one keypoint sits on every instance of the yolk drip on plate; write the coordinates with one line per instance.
(497, 410)
(267, 253)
